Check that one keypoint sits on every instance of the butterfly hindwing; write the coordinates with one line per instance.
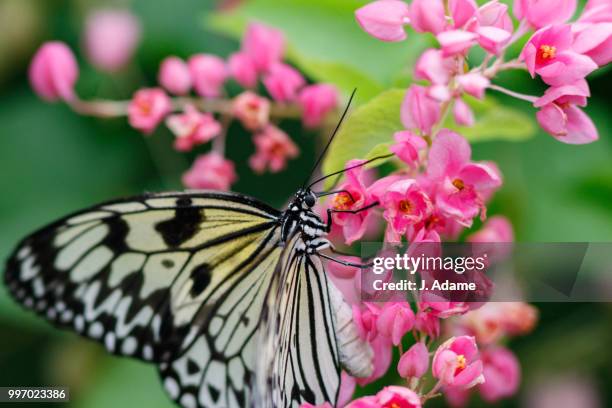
(300, 361)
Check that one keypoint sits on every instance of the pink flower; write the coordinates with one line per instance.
(353, 196)
(316, 102)
(433, 67)
(549, 54)
(148, 107)
(594, 41)
(415, 362)
(324, 405)
(174, 75)
(440, 308)
(110, 38)
(54, 71)
(389, 397)
(418, 110)
(210, 171)
(493, 39)
(462, 113)
(395, 320)
(365, 317)
(192, 128)
(347, 389)
(208, 73)
(473, 84)
(273, 149)
(243, 69)
(454, 42)
(283, 82)
(502, 373)
(461, 186)
(597, 11)
(496, 229)
(384, 19)
(383, 353)
(462, 11)
(405, 204)
(428, 323)
(540, 13)
(427, 16)
(407, 147)
(342, 271)
(252, 110)
(456, 363)
(495, 14)
(265, 45)
(560, 115)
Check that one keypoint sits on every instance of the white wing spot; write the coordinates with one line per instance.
(109, 341)
(73, 251)
(129, 345)
(39, 287)
(189, 401)
(172, 387)
(96, 330)
(79, 323)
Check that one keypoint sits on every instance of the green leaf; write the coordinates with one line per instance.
(494, 121)
(381, 149)
(367, 131)
(326, 43)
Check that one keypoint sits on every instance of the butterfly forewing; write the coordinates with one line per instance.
(133, 274)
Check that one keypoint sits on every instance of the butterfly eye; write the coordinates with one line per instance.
(310, 200)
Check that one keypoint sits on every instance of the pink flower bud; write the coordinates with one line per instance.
(208, 73)
(110, 38)
(456, 363)
(384, 19)
(283, 82)
(147, 108)
(395, 320)
(454, 42)
(265, 45)
(540, 13)
(174, 76)
(463, 113)
(273, 149)
(414, 362)
(392, 396)
(428, 16)
(316, 102)
(496, 229)
(594, 41)
(428, 323)
(252, 110)
(192, 128)
(473, 84)
(242, 69)
(419, 111)
(54, 71)
(502, 373)
(433, 67)
(462, 11)
(597, 11)
(210, 171)
(408, 146)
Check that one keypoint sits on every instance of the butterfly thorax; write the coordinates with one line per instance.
(299, 218)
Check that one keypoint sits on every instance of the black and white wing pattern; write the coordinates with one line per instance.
(307, 336)
(178, 279)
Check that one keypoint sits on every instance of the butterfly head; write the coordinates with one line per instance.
(304, 199)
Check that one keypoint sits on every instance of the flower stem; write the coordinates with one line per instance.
(528, 98)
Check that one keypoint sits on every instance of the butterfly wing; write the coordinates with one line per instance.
(300, 360)
(162, 278)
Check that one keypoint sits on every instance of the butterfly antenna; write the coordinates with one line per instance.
(314, 168)
(350, 168)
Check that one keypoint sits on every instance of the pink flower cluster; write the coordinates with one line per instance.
(440, 201)
(561, 53)
(203, 117)
(472, 358)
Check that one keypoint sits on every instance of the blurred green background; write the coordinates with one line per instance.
(54, 161)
